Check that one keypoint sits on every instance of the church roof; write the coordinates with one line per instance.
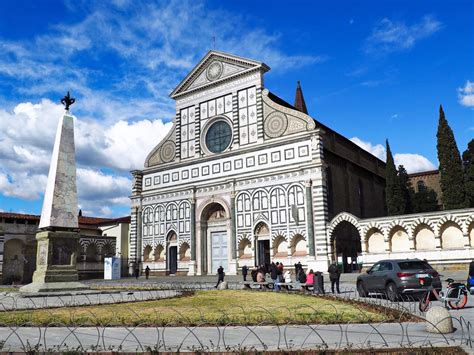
(216, 67)
(300, 105)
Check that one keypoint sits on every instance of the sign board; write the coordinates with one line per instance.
(112, 268)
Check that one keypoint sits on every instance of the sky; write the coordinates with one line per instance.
(371, 70)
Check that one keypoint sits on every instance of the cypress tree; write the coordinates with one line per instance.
(450, 166)
(393, 193)
(406, 190)
(468, 163)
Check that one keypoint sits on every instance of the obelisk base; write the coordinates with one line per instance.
(56, 263)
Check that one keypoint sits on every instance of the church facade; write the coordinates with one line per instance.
(245, 178)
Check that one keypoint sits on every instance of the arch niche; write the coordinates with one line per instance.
(214, 243)
(375, 241)
(399, 240)
(424, 238)
(346, 245)
(451, 236)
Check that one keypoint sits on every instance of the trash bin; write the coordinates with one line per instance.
(318, 283)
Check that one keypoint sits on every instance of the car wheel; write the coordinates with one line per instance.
(391, 292)
(361, 289)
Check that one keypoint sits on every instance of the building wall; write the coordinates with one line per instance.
(353, 188)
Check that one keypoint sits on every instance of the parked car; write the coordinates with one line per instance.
(396, 278)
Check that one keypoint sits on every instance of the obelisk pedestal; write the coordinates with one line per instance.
(58, 234)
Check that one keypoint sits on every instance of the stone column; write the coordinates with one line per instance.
(309, 216)
(192, 262)
(233, 236)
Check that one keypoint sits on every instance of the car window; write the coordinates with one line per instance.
(386, 266)
(413, 264)
(375, 268)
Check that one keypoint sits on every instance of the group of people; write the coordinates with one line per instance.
(276, 272)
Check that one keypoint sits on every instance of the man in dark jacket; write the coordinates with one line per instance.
(220, 275)
(334, 276)
(253, 273)
(245, 271)
(274, 276)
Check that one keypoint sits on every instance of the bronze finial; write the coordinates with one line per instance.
(67, 101)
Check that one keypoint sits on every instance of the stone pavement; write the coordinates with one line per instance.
(287, 337)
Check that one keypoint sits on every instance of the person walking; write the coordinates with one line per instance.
(220, 275)
(147, 272)
(334, 276)
(245, 271)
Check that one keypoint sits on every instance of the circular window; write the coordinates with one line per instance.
(218, 136)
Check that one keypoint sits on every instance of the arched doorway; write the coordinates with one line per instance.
(172, 255)
(346, 245)
(214, 235)
(262, 237)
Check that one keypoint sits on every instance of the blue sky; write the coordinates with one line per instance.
(369, 69)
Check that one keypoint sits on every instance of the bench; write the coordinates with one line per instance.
(283, 285)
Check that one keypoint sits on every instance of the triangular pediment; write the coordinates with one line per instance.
(214, 68)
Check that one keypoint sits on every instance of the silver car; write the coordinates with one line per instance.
(396, 278)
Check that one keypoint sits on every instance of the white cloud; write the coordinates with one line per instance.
(26, 140)
(466, 94)
(413, 163)
(391, 36)
(378, 150)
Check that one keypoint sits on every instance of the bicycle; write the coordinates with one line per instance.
(455, 295)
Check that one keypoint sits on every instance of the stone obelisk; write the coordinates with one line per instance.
(58, 233)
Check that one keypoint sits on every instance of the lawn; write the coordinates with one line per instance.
(206, 308)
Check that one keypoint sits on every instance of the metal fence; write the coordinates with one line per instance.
(158, 335)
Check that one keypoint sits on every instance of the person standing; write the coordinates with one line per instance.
(334, 276)
(280, 273)
(274, 276)
(301, 277)
(220, 275)
(245, 270)
(137, 270)
(147, 272)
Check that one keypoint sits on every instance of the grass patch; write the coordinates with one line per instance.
(207, 308)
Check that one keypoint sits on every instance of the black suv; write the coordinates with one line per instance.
(396, 278)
